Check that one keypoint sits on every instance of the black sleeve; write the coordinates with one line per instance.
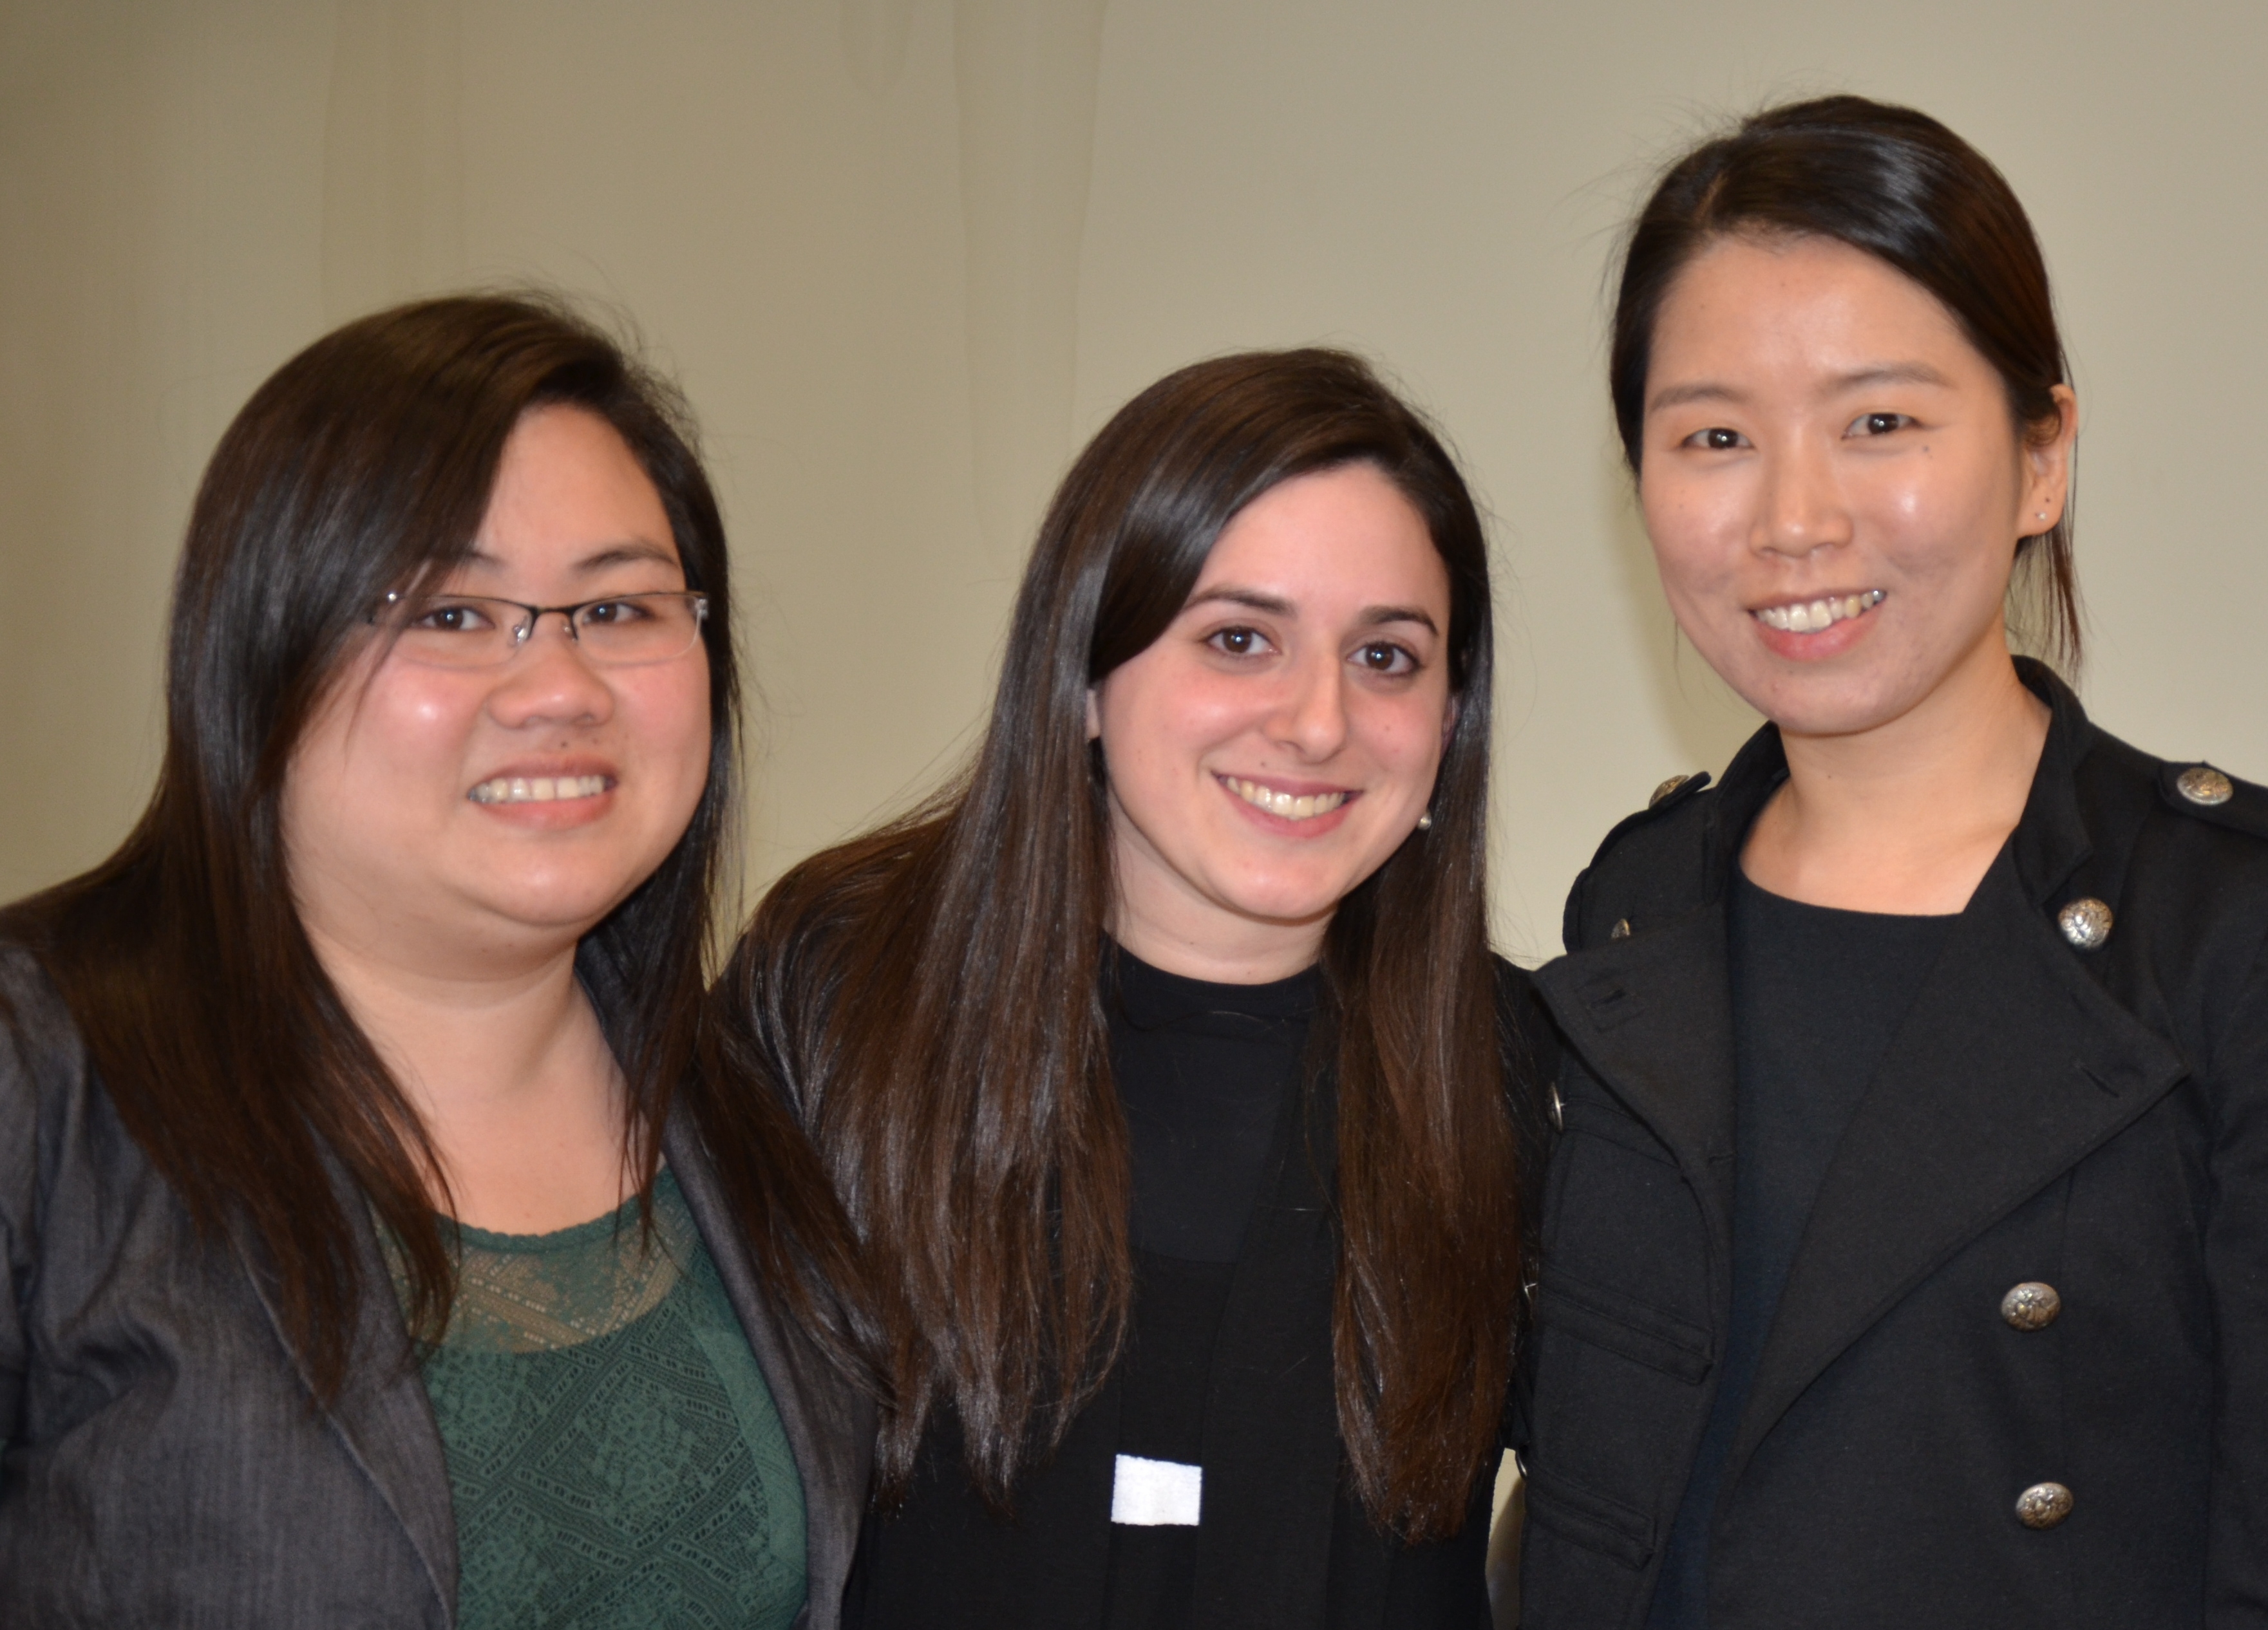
(1531, 1046)
(2236, 1276)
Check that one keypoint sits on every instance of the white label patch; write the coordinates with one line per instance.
(1156, 1494)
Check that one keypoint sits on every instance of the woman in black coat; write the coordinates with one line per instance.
(1905, 1251)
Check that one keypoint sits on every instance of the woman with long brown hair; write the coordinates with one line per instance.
(1160, 1060)
(381, 1246)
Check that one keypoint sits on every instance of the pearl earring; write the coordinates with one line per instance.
(1425, 821)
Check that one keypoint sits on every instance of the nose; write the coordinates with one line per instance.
(1800, 506)
(1310, 714)
(549, 681)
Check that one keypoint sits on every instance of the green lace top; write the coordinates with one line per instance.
(615, 1455)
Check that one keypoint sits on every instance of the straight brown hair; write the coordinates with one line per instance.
(364, 466)
(1898, 185)
(928, 992)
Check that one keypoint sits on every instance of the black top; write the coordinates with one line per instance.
(1228, 1368)
(1204, 1072)
(1817, 996)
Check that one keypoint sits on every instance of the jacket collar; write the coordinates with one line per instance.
(2051, 840)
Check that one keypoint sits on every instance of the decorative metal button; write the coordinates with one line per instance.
(1558, 1110)
(1665, 788)
(2031, 1305)
(2205, 785)
(1621, 930)
(2086, 924)
(2044, 1505)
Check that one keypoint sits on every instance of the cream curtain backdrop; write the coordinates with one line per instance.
(906, 254)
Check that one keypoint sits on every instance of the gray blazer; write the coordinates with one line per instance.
(162, 1460)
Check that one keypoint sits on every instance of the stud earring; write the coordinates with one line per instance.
(1425, 821)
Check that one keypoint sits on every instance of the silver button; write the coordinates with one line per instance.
(2044, 1505)
(1558, 1110)
(1665, 788)
(2086, 924)
(1621, 930)
(2205, 785)
(2031, 1305)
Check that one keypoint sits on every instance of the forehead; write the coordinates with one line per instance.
(1331, 536)
(1753, 303)
(570, 496)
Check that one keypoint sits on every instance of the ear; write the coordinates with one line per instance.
(1449, 720)
(2047, 468)
(1093, 713)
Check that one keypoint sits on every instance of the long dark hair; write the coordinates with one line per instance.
(365, 464)
(1898, 185)
(930, 990)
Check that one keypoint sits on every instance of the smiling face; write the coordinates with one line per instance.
(414, 818)
(1834, 485)
(1279, 740)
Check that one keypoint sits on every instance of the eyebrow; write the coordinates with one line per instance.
(627, 552)
(1276, 605)
(1880, 373)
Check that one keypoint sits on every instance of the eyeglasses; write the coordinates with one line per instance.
(476, 631)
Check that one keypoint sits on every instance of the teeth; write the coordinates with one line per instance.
(1289, 805)
(1812, 616)
(537, 790)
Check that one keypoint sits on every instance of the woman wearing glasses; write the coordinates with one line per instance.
(1905, 1261)
(382, 1248)
(1162, 1059)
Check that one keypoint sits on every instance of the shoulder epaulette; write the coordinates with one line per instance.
(1667, 797)
(2212, 795)
(1664, 799)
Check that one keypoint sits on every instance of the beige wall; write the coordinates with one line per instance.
(905, 252)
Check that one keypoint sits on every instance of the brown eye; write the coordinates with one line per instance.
(1239, 642)
(1879, 424)
(1721, 440)
(1380, 656)
(451, 617)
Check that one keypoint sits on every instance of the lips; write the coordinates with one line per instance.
(1816, 616)
(538, 788)
(1288, 805)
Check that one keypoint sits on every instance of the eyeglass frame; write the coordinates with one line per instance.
(524, 632)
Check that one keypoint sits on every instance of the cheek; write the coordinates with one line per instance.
(406, 727)
(1407, 735)
(1158, 719)
(668, 712)
(1942, 517)
(1693, 529)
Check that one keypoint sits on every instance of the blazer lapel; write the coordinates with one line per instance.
(1652, 1016)
(830, 1427)
(382, 1413)
(2013, 1066)
(1271, 1442)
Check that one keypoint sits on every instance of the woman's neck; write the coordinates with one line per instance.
(1905, 818)
(510, 1075)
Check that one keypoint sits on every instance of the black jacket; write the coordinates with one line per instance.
(162, 1460)
(2091, 1119)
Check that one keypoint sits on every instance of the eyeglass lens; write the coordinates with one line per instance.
(473, 631)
